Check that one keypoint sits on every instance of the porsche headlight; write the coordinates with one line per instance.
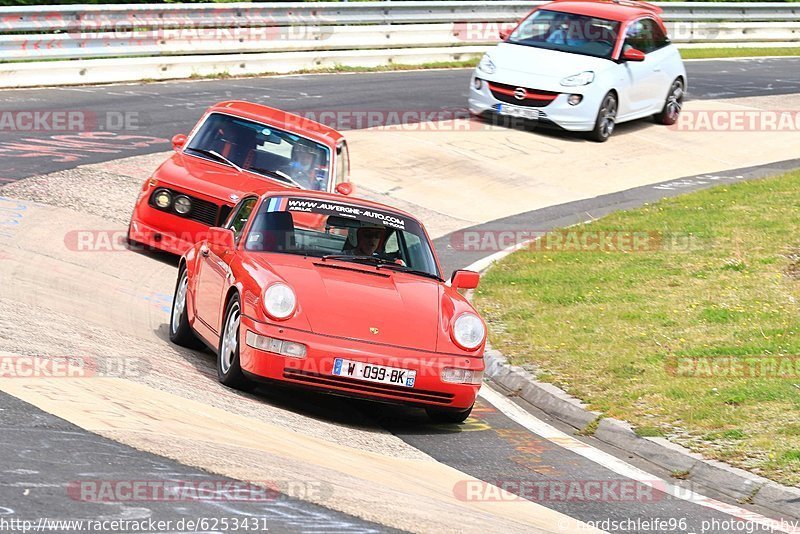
(468, 331)
(487, 65)
(583, 78)
(162, 199)
(182, 204)
(279, 301)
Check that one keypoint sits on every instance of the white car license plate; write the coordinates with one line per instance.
(374, 373)
(518, 111)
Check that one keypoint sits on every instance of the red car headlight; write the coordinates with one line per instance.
(280, 301)
(468, 331)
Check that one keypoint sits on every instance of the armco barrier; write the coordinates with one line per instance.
(173, 40)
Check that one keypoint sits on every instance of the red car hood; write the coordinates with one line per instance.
(193, 174)
(350, 300)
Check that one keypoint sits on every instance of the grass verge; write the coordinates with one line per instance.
(721, 53)
(695, 336)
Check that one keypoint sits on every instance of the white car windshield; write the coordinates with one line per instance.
(342, 232)
(264, 150)
(567, 32)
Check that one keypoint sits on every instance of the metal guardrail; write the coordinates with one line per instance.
(162, 41)
(94, 31)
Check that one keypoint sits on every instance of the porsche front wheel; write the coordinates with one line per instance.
(229, 371)
(180, 331)
(448, 415)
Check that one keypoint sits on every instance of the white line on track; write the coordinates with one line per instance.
(537, 426)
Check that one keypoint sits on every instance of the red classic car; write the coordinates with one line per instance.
(235, 148)
(357, 307)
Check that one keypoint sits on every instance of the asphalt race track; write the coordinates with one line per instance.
(141, 118)
(490, 447)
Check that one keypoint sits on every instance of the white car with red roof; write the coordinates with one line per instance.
(583, 66)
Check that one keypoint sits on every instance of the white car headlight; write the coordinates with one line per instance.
(584, 78)
(468, 331)
(486, 65)
(279, 301)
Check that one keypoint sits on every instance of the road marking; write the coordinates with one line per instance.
(519, 415)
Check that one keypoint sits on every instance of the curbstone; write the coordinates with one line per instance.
(548, 398)
(736, 483)
(774, 495)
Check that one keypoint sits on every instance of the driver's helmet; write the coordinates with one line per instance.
(306, 156)
(352, 236)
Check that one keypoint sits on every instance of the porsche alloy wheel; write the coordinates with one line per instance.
(229, 371)
(180, 331)
(606, 119)
(673, 104)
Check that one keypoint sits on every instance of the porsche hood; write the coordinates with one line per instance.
(359, 302)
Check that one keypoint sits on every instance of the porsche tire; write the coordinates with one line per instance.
(448, 415)
(180, 331)
(229, 371)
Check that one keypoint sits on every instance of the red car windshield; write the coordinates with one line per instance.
(264, 150)
(346, 232)
(567, 32)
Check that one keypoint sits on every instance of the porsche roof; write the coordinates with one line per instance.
(618, 10)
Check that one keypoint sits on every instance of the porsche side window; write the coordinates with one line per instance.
(391, 246)
(238, 220)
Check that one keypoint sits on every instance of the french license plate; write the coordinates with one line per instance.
(374, 373)
(518, 111)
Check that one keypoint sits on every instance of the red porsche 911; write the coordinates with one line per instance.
(236, 147)
(356, 307)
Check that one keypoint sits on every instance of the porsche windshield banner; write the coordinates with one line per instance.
(350, 211)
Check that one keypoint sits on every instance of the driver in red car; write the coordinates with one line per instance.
(303, 168)
(368, 239)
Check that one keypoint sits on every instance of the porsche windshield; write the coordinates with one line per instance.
(342, 233)
(265, 150)
(567, 32)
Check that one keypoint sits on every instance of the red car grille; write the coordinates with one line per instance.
(202, 211)
(532, 98)
(367, 388)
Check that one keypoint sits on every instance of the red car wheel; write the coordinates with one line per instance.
(229, 371)
(180, 331)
